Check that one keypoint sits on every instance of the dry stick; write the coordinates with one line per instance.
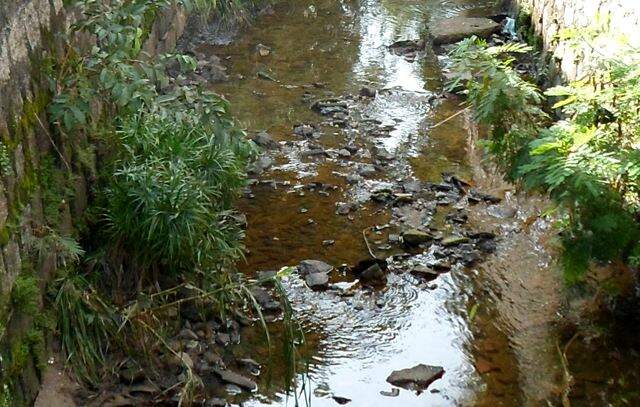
(568, 378)
(453, 116)
(366, 241)
(53, 143)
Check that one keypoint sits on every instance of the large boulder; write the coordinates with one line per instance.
(454, 29)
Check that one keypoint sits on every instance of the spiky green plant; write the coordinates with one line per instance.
(169, 202)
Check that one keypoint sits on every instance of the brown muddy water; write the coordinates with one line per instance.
(491, 326)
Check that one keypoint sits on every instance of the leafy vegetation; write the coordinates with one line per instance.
(588, 161)
(167, 161)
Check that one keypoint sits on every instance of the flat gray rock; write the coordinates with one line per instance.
(416, 378)
(313, 266)
(454, 29)
(317, 280)
(234, 378)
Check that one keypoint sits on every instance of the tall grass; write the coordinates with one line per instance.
(169, 203)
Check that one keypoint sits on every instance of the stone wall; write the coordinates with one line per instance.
(44, 181)
(549, 17)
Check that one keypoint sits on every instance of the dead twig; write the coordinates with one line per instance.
(453, 116)
(366, 242)
(568, 377)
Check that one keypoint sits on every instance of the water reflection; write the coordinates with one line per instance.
(356, 341)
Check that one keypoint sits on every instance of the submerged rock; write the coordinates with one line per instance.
(393, 393)
(416, 378)
(454, 29)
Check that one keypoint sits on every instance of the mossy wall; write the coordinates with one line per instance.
(45, 183)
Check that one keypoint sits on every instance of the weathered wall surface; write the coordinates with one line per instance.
(549, 17)
(44, 181)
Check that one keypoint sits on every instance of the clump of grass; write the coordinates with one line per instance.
(86, 325)
(169, 202)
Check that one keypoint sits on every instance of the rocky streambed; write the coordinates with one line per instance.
(365, 186)
(419, 277)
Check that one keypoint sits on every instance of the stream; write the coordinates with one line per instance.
(323, 194)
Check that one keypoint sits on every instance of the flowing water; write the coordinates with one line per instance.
(490, 326)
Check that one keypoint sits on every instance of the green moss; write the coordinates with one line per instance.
(25, 294)
(37, 345)
(19, 358)
(4, 236)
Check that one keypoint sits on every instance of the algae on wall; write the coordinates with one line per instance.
(44, 183)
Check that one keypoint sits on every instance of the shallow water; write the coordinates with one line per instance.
(494, 339)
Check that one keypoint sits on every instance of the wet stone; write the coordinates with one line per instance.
(415, 237)
(341, 400)
(344, 153)
(502, 212)
(263, 163)
(368, 92)
(223, 339)
(424, 272)
(264, 140)
(353, 179)
(304, 130)
(373, 275)
(454, 240)
(233, 390)
(416, 378)
(236, 379)
(265, 300)
(343, 208)
(313, 266)
(317, 280)
(393, 393)
(441, 265)
(454, 29)
(188, 334)
(213, 358)
(215, 402)
(366, 170)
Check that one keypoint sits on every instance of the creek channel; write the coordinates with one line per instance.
(342, 186)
